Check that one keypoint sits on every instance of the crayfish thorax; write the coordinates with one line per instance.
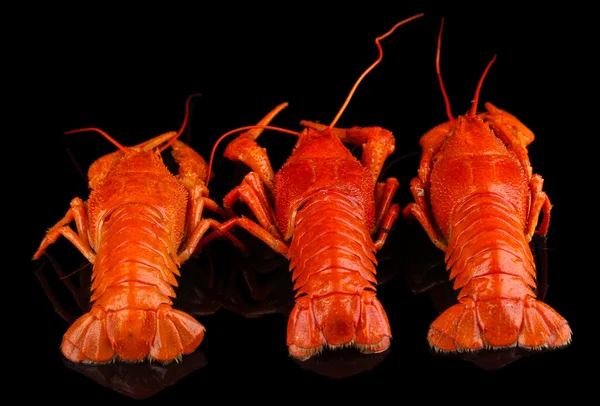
(474, 161)
(137, 178)
(321, 164)
(121, 162)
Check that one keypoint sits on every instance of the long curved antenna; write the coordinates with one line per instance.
(478, 90)
(240, 129)
(104, 134)
(126, 149)
(185, 121)
(439, 73)
(339, 114)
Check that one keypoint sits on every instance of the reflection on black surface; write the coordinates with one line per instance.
(200, 291)
(425, 271)
(80, 292)
(140, 380)
(342, 363)
(259, 284)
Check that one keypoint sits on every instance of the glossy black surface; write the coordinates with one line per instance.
(130, 76)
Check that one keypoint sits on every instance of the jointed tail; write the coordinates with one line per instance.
(132, 285)
(333, 263)
(492, 265)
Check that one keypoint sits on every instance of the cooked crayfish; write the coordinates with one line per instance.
(321, 211)
(139, 224)
(479, 201)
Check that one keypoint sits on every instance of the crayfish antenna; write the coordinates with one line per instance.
(439, 73)
(362, 76)
(185, 121)
(104, 134)
(478, 90)
(146, 146)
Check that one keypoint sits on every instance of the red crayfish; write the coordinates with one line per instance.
(139, 224)
(479, 201)
(321, 210)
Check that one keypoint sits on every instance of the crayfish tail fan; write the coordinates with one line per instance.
(499, 323)
(177, 333)
(86, 340)
(132, 335)
(543, 327)
(338, 321)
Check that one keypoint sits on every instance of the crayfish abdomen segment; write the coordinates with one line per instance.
(333, 263)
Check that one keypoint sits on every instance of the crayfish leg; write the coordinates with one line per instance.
(384, 193)
(80, 240)
(540, 203)
(197, 226)
(196, 241)
(386, 225)
(252, 192)
(420, 211)
(259, 232)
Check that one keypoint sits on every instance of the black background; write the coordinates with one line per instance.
(130, 73)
